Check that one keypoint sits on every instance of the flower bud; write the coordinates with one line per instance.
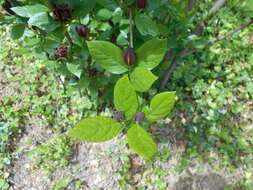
(61, 53)
(129, 56)
(62, 13)
(92, 73)
(139, 117)
(83, 31)
(141, 4)
(7, 7)
(118, 116)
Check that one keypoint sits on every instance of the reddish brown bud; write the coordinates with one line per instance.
(83, 31)
(7, 7)
(129, 56)
(61, 53)
(139, 117)
(141, 4)
(92, 73)
(62, 13)
(118, 116)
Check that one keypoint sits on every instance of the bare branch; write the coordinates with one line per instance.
(217, 6)
(168, 73)
(131, 28)
(198, 31)
(172, 67)
(187, 52)
(202, 26)
(168, 56)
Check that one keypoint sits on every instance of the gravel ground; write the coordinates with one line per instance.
(91, 164)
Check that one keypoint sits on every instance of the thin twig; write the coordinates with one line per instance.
(220, 38)
(202, 26)
(167, 74)
(60, 82)
(131, 28)
(217, 5)
(168, 56)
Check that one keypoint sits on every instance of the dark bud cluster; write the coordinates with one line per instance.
(141, 4)
(118, 116)
(62, 13)
(92, 73)
(7, 7)
(129, 56)
(139, 117)
(83, 31)
(61, 53)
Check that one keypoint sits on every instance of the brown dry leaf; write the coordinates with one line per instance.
(136, 164)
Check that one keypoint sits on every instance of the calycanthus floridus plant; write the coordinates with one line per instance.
(90, 42)
(137, 78)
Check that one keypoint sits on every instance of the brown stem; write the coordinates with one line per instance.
(167, 74)
(172, 67)
(131, 28)
(217, 5)
(168, 56)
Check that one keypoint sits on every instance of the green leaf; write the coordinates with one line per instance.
(104, 14)
(82, 7)
(75, 68)
(125, 98)
(145, 25)
(108, 55)
(109, 4)
(142, 79)
(160, 106)
(248, 5)
(151, 53)
(163, 30)
(43, 21)
(96, 129)
(141, 142)
(17, 31)
(30, 10)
